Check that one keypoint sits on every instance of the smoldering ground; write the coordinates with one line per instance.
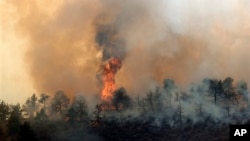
(185, 41)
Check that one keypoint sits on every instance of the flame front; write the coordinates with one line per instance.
(108, 78)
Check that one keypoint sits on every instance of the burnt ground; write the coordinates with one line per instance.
(146, 131)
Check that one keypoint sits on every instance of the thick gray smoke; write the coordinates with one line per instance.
(185, 41)
(108, 40)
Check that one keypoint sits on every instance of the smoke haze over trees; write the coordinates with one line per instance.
(164, 109)
(185, 41)
(166, 66)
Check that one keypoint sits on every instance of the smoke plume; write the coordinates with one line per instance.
(185, 41)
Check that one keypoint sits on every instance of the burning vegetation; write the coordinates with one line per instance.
(203, 112)
(108, 78)
(131, 62)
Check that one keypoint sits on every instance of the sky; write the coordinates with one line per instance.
(50, 45)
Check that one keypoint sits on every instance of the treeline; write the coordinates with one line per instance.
(212, 97)
(215, 99)
(17, 121)
(56, 117)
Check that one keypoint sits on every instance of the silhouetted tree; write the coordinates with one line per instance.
(3, 135)
(242, 90)
(60, 103)
(43, 99)
(14, 121)
(199, 109)
(169, 86)
(149, 99)
(184, 96)
(215, 88)
(229, 93)
(180, 113)
(78, 110)
(26, 133)
(177, 96)
(41, 115)
(121, 100)
(4, 112)
(141, 104)
(71, 114)
(31, 106)
(97, 116)
(158, 99)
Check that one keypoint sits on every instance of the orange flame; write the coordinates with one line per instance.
(108, 78)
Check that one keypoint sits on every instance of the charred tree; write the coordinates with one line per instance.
(141, 104)
(242, 90)
(177, 96)
(229, 94)
(60, 103)
(121, 100)
(149, 99)
(158, 99)
(96, 122)
(169, 86)
(215, 89)
(78, 110)
(180, 113)
(199, 109)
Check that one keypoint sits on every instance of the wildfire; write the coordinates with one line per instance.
(108, 78)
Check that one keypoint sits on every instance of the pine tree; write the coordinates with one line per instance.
(14, 121)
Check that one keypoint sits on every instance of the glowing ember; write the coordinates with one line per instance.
(108, 78)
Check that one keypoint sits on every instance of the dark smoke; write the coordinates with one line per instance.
(184, 41)
(108, 40)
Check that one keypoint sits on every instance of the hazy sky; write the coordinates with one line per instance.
(194, 39)
(14, 79)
